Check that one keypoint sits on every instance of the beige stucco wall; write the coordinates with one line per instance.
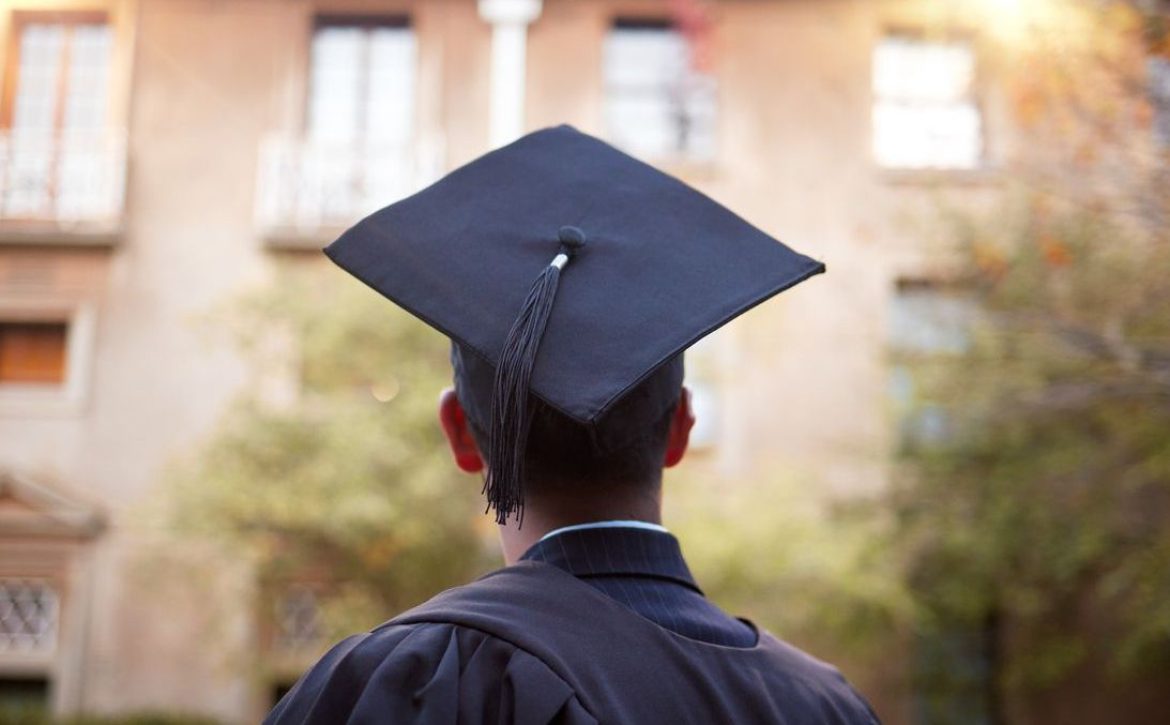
(199, 84)
(202, 82)
(210, 79)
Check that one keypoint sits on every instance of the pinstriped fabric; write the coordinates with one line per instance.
(645, 571)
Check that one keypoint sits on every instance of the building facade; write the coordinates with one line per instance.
(157, 157)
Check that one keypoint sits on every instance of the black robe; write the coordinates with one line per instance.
(533, 644)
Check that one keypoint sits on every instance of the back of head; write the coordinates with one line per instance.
(561, 453)
(624, 448)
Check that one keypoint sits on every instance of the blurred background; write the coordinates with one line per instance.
(944, 466)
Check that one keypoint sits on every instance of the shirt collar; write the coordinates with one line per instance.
(612, 524)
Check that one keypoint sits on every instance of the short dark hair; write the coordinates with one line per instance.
(561, 454)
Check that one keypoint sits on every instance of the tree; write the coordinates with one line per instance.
(342, 482)
(798, 563)
(1040, 520)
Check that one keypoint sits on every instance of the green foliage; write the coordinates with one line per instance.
(37, 716)
(1041, 520)
(342, 479)
(791, 560)
(1047, 509)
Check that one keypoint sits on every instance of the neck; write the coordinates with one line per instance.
(543, 515)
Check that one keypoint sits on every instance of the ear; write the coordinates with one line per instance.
(679, 436)
(454, 422)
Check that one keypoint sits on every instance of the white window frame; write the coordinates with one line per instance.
(59, 178)
(310, 187)
(697, 90)
(361, 136)
(894, 104)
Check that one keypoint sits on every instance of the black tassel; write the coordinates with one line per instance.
(511, 415)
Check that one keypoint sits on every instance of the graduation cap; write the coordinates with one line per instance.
(564, 269)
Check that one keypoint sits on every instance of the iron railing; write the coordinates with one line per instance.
(67, 180)
(308, 188)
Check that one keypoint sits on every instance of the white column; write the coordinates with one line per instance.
(509, 20)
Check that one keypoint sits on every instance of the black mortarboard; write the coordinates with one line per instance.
(645, 266)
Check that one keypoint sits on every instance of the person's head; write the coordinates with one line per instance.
(567, 475)
(563, 286)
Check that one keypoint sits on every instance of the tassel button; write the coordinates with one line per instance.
(572, 239)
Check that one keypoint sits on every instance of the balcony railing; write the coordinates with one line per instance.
(308, 191)
(64, 186)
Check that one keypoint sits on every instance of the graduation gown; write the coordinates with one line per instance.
(532, 643)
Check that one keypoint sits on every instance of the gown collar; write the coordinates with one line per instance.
(592, 551)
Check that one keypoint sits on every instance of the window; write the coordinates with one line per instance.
(28, 616)
(24, 699)
(704, 363)
(954, 676)
(46, 351)
(297, 619)
(294, 633)
(361, 81)
(57, 160)
(357, 152)
(29, 611)
(33, 352)
(924, 114)
(1158, 72)
(927, 320)
(705, 405)
(62, 76)
(656, 105)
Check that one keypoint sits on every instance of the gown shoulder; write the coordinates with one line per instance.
(429, 672)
